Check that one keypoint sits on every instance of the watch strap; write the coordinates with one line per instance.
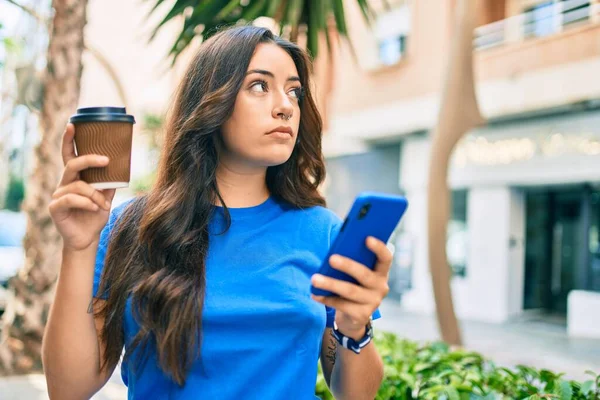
(351, 344)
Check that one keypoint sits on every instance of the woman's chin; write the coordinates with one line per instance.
(276, 158)
(275, 155)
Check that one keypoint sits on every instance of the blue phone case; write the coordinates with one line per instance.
(382, 217)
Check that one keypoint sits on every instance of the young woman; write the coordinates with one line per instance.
(205, 281)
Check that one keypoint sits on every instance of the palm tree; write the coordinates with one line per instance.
(33, 288)
(458, 113)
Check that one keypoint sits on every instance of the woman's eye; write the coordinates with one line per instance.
(296, 92)
(259, 86)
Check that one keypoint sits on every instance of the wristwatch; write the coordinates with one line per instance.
(351, 344)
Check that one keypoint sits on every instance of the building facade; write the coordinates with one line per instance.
(524, 231)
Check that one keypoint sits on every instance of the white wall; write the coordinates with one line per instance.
(420, 297)
(492, 290)
(516, 252)
(494, 278)
(414, 161)
(119, 30)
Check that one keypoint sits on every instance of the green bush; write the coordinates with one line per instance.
(434, 371)
(15, 193)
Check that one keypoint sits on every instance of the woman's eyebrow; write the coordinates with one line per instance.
(270, 74)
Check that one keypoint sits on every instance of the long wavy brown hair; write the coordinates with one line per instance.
(157, 251)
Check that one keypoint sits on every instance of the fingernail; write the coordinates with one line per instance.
(317, 278)
(107, 205)
(335, 259)
(104, 159)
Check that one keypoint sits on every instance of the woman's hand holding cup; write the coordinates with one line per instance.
(79, 211)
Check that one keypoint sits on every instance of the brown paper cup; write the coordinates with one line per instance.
(109, 137)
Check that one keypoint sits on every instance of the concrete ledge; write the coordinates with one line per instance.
(582, 311)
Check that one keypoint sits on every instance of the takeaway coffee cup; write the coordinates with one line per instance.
(107, 131)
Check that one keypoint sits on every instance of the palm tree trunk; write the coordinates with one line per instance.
(458, 113)
(33, 288)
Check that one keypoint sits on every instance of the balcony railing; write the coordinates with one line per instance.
(547, 19)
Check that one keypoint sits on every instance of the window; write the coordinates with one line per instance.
(391, 49)
(392, 29)
(539, 20)
(457, 236)
(575, 11)
(550, 16)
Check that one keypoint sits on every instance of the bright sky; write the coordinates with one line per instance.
(9, 16)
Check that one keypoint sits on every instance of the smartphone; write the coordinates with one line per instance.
(372, 214)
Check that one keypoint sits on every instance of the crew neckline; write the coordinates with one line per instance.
(244, 212)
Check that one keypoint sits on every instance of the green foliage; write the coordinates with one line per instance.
(152, 125)
(143, 184)
(152, 122)
(434, 371)
(15, 193)
(203, 18)
(9, 44)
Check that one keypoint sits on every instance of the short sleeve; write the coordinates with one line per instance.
(335, 230)
(102, 249)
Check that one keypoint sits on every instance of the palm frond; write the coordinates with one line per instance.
(205, 17)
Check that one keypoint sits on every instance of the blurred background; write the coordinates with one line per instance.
(523, 226)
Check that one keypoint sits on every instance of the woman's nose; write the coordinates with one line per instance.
(283, 106)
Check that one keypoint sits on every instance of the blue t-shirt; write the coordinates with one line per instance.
(261, 331)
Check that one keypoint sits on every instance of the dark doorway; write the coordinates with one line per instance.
(562, 247)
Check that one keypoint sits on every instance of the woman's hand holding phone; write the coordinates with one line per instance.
(356, 302)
